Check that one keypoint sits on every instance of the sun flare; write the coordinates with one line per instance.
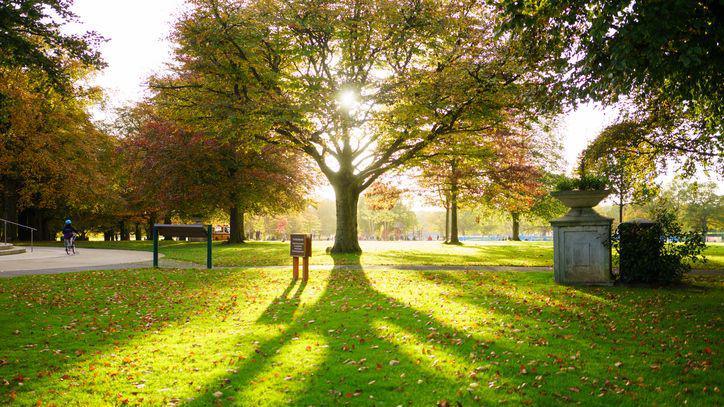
(348, 99)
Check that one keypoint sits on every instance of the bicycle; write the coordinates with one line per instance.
(70, 245)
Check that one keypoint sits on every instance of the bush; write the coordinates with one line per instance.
(592, 183)
(658, 252)
(584, 183)
(566, 184)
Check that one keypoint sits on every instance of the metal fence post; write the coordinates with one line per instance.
(155, 247)
(209, 238)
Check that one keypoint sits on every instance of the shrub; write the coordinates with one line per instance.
(584, 183)
(566, 184)
(592, 183)
(656, 253)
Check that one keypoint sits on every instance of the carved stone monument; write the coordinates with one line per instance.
(581, 240)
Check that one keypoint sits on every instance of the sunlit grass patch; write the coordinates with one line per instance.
(361, 337)
(374, 253)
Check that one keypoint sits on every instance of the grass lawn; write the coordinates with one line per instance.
(374, 253)
(358, 337)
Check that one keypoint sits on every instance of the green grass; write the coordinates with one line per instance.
(375, 253)
(375, 337)
(715, 256)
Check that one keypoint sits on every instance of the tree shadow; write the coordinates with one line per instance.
(282, 308)
(381, 341)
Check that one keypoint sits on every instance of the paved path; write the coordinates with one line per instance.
(53, 260)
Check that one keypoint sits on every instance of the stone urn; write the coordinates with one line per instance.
(581, 240)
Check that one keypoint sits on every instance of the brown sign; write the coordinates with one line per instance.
(300, 245)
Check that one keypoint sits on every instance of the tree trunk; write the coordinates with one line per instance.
(447, 221)
(620, 213)
(167, 221)
(48, 232)
(151, 222)
(454, 219)
(236, 225)
(704, 228)
(516, 226)
(10, 208)
(346, 239)
(137, 231)
(454, 206)
(125, 233)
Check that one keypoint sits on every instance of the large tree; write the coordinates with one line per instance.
(177, 169)
(54, 161)
(361, 87)
(36, 57)
(702, 208)
(663, 58)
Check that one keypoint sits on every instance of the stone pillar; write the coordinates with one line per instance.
(581, 246)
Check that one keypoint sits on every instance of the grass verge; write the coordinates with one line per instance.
(374, 253)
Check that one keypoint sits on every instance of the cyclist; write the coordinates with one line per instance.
(69, 234)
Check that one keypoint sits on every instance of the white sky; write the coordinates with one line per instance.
(138, 46)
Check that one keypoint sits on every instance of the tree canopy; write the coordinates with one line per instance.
(176, 169)
(31, 36)
(52, 157)
(360, 87)
(662, 58)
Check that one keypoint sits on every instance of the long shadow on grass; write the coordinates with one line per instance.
(346, 317)
(372, 344)
(282, 308)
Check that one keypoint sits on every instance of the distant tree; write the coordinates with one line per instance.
(325, 211)
(383, 212)
(631, 172)
(360, 87)
(382, 196)
(536, 203)
(663, 58)
(456, 171)
(516, 192)
(701, 207)
(519, 182)
(499, 168)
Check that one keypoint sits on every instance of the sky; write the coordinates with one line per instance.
(137, 41)
(137, 46)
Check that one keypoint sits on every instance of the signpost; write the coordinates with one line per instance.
(183, 231)
(300, 245)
